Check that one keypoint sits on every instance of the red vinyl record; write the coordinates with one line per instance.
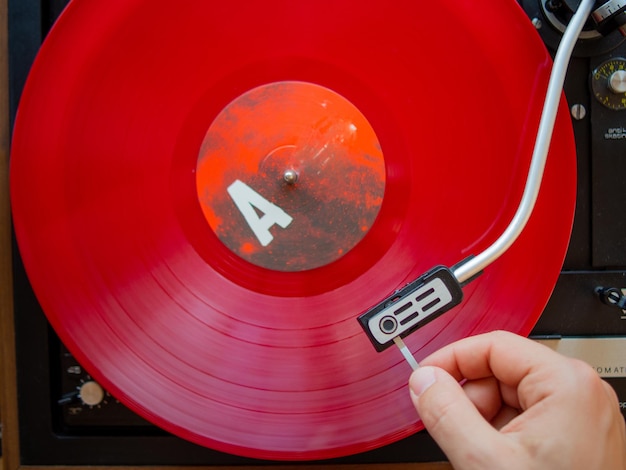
(206, 196)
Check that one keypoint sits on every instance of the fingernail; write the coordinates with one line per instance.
(421, 380)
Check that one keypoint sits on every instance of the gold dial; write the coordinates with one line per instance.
(608, 83)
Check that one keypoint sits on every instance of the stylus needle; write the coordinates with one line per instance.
(406, 353)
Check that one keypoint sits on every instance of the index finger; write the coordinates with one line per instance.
(506, 356)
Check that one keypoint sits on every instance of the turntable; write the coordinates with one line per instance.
(216, 204)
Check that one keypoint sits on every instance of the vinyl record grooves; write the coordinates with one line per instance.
(121, 226)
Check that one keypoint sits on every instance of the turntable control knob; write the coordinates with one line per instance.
(610, 15)
(91, 393)
(608, 83)
(617, 82)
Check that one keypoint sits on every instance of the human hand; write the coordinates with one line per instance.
(521, 405)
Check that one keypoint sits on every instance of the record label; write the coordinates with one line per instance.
(290, 176)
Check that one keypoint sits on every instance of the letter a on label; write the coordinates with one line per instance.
(247, 199)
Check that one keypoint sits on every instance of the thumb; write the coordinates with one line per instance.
(451, 418)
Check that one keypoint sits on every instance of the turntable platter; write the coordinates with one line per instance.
(151, 271)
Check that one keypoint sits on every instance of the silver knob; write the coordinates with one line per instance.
(617, 82)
